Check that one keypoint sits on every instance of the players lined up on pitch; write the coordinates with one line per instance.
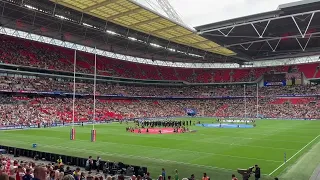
(145, 126)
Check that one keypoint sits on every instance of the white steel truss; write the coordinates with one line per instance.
(303, 31)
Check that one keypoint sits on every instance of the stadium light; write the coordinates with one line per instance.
(62, 17)
(30, 7)
(155, 45)
(112, 33)
(88, 25)
(172, 50)
(132, 38)
(195, 55)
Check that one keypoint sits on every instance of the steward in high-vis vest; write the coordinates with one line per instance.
(59, 161)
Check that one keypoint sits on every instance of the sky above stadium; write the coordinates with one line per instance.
(200, 12)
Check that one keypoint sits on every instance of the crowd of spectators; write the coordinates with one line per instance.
(43, 56)
(17, 110)
(44, 84)
(31, 169)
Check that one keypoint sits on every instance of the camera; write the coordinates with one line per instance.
(246, 172)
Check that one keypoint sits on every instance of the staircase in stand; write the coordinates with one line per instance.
(221, 110)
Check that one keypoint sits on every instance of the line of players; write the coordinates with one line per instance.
(163, 123)
(179, 126)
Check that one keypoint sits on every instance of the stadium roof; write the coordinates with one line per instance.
(135, 16)
(292, 30)
(52, 20)
(52, 23)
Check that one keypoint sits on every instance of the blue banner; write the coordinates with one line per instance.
(191, 111)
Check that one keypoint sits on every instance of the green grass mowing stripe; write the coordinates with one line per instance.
(57, 148)
(219, 138)
(294, 155)
(166, 149)
(209, 140)
(119, 155)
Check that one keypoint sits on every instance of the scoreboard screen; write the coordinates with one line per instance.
(275, 79)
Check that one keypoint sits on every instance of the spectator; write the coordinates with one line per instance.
(68, 177)
(234, 177)
(205, 177)
(40, 173)
(89, 163)
(163, 174)
(176, 175)
(192, 177)
(4, 176)
(27, 176)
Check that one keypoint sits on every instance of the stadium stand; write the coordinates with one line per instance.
(39, 55)
(36, 83)
(18, 84)
(24, 110)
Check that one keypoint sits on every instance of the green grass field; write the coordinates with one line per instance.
(216, 151)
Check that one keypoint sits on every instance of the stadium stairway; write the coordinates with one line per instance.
(278, 101)
(220, 111)
(317, 73)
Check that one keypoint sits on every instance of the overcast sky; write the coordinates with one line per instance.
(200, 12)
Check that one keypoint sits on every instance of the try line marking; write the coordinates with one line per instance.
(294, 155)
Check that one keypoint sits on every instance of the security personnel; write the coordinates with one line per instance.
(59, 161)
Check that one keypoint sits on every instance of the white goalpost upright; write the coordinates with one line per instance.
(257, 100)
(245, 102)
(93, 131)
(73, 131)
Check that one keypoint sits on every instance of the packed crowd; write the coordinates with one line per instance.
(44, 84)
(43, 56)
(19, 110)
(33, 169)
(28, 169)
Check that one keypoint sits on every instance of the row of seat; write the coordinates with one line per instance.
(40, 55)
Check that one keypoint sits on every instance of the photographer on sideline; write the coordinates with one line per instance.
(257, 173)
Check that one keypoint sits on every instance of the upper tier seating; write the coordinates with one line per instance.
(40, 55)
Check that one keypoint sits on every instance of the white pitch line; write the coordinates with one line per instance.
(294, 155)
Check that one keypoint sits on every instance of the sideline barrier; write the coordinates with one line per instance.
(67, 160)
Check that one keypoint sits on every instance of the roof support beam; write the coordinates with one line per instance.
(274, 48)
(246, 48)
(264, 30)
(306, 30)
(99, 5)
(226, 35)
(133, 11)
(257, 21)
(270, 39)
(303, 48)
